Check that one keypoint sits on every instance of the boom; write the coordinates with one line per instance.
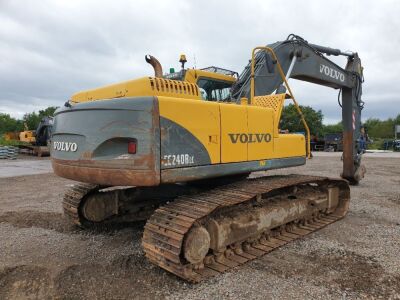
(304, 61)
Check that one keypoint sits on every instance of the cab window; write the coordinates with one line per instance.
(214, 90)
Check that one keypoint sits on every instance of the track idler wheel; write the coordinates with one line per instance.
(100, 206)
(196, 245)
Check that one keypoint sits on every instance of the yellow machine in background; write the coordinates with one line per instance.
(10, 136)
(33, 141)
(27, 136)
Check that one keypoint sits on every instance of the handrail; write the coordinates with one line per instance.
(252, 92)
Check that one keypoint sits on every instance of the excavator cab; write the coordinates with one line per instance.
(214, 90)
(214, 83)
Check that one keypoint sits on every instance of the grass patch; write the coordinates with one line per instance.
(377, 144)
(4, 142)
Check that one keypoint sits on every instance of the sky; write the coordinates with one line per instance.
(51, 49)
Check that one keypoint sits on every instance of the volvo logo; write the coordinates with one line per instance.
(250, 137)
(65, 146)
(328, 71)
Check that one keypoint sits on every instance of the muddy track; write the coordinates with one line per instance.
(169, 227)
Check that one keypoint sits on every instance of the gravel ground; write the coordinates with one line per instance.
(42, 257)
(11, 168)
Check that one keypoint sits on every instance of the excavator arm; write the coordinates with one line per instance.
(307, 62)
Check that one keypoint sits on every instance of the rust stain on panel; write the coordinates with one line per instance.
(106, 176)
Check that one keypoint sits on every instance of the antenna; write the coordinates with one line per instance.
(194, 59)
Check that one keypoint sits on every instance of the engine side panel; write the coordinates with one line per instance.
(233, 133)
(203, 139)
(261, 132)
(189, 127)
(179, 147)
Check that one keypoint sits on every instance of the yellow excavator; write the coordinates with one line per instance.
(176, 150)
(35, 141)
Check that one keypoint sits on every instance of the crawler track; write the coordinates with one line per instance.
(166, 230)
(72, 201)
(134, 203)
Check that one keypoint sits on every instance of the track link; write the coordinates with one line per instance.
(166, 230)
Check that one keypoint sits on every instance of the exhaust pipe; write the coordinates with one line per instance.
(155, 64)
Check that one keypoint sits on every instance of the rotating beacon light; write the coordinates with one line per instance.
(183, 60)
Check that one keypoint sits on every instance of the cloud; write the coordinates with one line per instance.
(52, 49)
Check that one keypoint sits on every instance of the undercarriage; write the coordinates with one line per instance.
(196, 232)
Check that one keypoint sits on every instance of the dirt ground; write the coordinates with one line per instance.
(42, 257)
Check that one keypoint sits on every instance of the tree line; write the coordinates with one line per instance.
(376, 128)
(29, 120)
